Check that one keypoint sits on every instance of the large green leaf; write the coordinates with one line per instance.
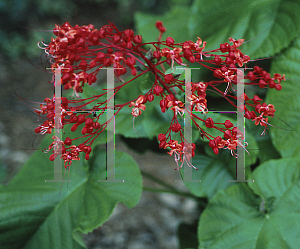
(273, 24)
(34, 215)
(286, 101)
(270, 218)
(213, 173)
(174, 21)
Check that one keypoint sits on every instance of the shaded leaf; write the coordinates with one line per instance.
(286, 101)
(273, 24)
(34, 215)
(236, 218)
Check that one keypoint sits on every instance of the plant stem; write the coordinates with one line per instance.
(172, 190)
(198, 200)
(155, 179)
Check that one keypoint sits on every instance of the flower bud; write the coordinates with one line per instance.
(133, 71)
(100, 56)
(156, 54)
(130, 61)
(158, 24)
(169, 78)
(225, 47)
(81, 119)
(160, 27)
(192, 59)
(137, 39)
(157, 90)
(150, 97)
(88, 122)
(128, 33)
(92, 63)
(257, 69)
(278, 87)
(74, 127)
(163, 103)
(107, 62)
(256, 99)
(227, 134)
(212, 143)
(217, 59)
(89, 129)
(162, 144)
(68, 141)
(73, 118)
(267, 77)
(161, 137)
(80, 42)
(251, 76)
(96, 125)
(262, 83)
(52, 157)
(110, 50)
(169, 41)
(84, 130)
(209, 123)
(228, 61)
(176, 127)
(88, 149)
(116, 38)
(271, 84)
(247, 115)
(170, 97)
(216, 150)
(234, 130)
(228, 124)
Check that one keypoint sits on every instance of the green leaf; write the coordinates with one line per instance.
(213, 173)
(273, 24)
(34, 215)
(270, 218)
(286, 101)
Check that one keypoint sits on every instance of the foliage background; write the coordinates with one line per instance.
(272, 29)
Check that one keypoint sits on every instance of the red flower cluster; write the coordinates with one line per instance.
(81, 51)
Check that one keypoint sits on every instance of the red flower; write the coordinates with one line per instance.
(138, 106)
